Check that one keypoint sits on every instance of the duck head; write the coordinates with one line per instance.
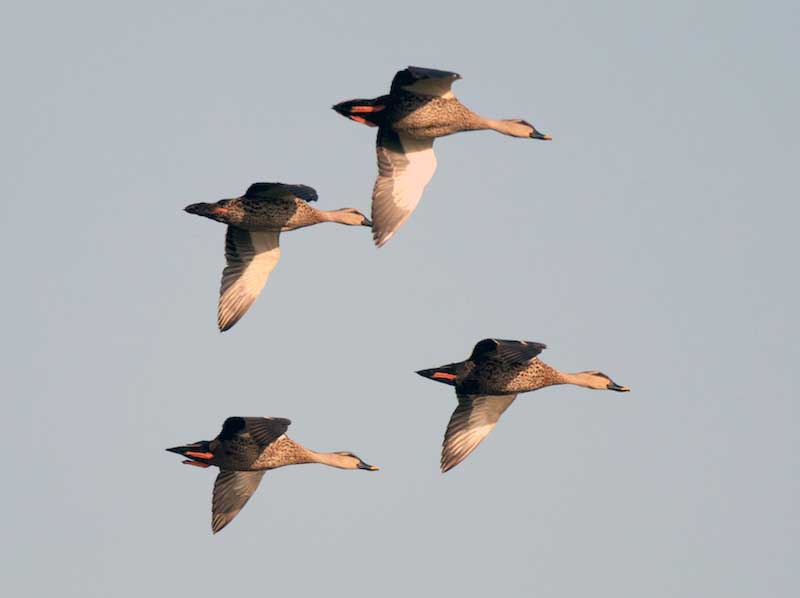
(350, 461)
(599, 381)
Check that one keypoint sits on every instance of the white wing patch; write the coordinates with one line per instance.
(251, 256)
(437, 86)
(405, 165)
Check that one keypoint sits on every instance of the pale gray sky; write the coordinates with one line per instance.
(654, 238)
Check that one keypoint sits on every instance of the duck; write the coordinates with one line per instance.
(419, 107)
(488, 382)
(244, 450)
(255, 221)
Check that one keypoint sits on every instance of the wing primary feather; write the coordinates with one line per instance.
(405, 166)
(232, 490)
(473, 419)
(250, 256)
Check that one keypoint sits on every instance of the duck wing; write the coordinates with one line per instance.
(405, 165)
(232, 490)
(243, 440)
(261, 431)
(509, 352)
(251, 256)
(273, 191)
(471, 422)
(429, 82)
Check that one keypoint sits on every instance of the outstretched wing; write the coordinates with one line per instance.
(261, 430)
(251, 256)
(470, 423)
(271, 191)
(232, 490)
(510, 352)
(430, 82)
(405, 165)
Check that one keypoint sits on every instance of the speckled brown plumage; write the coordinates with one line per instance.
(245, 449)
(488, 382)
(494, 377)
(282, 214)
(427, 117)
(284, 451)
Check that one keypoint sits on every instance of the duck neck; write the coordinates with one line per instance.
(584, 379)
(511, 127)
(331, 459)
(342, 216)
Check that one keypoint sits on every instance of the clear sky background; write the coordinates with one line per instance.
(655, 239)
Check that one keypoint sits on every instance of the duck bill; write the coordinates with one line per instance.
(617, 387)
(368, 467)
(537, 135)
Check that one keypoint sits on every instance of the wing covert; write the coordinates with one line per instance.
(471, 422)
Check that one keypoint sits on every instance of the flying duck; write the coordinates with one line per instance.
(489, 381)
(255, 221)
(244, 450)
(419, 108)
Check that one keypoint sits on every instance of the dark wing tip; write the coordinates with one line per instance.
(266, 191)
(448, 462)
(218, 522)
(225, 324)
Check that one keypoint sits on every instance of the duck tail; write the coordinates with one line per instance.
(366, 112)
(198, 453)
(446, 374)
(215, 211)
